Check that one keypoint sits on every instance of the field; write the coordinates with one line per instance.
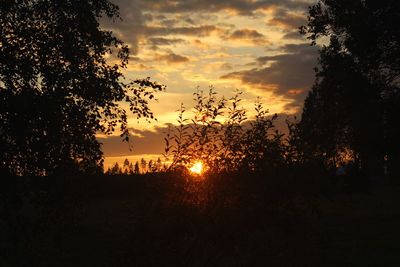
(160, 219)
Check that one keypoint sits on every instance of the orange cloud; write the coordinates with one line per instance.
(171, 58)
(247, 35)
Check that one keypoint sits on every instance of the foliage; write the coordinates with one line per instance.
(57, 87)
(220, 135)
(351, 110)
(342, 112)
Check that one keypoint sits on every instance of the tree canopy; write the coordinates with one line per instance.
(61, 82)
(354, 103)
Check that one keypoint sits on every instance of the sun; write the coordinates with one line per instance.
(197, 167)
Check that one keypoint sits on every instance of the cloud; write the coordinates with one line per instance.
(137, 14)
(293, 35)
(289, 74)
(226, 66)
(134, 24)
(128, 27)
(156, 42)
(142, 142)
(203, 30)
(242, 7)
(247, 35)
(139, 67)
(171, 58)
(288, 20)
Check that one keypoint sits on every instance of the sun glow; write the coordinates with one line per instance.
(197, 167)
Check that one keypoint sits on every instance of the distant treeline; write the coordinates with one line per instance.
(139, 167)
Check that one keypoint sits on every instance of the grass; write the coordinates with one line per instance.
(159, 220)
(362, 229)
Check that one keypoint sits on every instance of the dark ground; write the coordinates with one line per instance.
(147, 221)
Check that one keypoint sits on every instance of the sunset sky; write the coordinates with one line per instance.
(246, 44)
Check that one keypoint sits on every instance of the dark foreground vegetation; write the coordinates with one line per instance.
(179, 220)
(319, 195)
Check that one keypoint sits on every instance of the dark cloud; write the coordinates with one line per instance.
(134, 58)
(142, 142)
(293, 35)
(249, 35)
(155, 42)
(137, 13)
(148, 17)
(246, 33)
(288, 22)
(203, 30)
(132, 20)
(244, 7)
(169, 22)
(190, 21)
(292, 73)
(171, 58)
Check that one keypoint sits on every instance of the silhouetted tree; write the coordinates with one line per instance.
(143, 165)
(150, 166)
(262, 145)
(131, 168)
(295, 152)
(136, 169)
(354, 102)
(343, 113)
(176, 140)
(205, 141)
(126, 163)
(233, 133)
(116, 169)
(158, 165)
(57, 90)
(127, 167)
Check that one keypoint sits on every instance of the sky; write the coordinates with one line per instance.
(249, 45)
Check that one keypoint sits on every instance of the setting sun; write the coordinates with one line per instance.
(197, 167)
